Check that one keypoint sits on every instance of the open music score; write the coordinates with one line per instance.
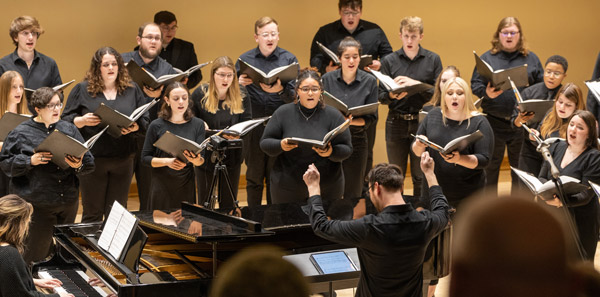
(118, 229)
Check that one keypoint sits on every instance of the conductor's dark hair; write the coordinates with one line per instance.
(41, 97)
(143, 27)
(165, 111)
(560, 60)
(307, 73)
(387, 175)
(164, 17)
(590, 121)
(352, 4)
(347, 42)
(272, 276)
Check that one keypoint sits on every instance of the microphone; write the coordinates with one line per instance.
(543, 148)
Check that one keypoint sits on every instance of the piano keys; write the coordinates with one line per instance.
(75, 282)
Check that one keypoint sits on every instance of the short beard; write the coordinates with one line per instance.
(146, 54)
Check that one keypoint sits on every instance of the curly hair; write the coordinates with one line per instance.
(94, 76)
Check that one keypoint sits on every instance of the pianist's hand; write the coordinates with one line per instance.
(47, 283)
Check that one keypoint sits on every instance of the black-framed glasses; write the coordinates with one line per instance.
(309, 89)
(52, 106)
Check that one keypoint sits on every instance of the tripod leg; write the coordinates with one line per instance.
(230, 188)
(210, 199)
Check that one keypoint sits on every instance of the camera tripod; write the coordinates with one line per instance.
(219, 174)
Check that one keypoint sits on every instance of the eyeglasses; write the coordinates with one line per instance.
(266, 34)
(224, 75)
(27, 33)
(151, 38)
(167, 28)
(507, 34)
(310, 89)
(350, 13)
(54, 106)
(555, 74)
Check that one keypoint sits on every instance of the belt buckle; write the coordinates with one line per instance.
(408, 117)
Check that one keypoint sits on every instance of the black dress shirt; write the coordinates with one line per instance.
(263, 103)
(391, 245)
(424, 67)
(363, 90)
(45, 184)
(81, 102)
(42, 73)
(592, 102)
(503, 106)
(370, 35)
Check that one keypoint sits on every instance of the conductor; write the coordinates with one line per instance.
(391, 244)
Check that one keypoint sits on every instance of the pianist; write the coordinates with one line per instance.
(391, 245)
(15, 279)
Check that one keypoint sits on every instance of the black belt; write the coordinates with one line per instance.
(499, 118)
(405, 116)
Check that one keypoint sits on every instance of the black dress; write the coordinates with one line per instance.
(171, 187)
(293, 120)
(584, 205)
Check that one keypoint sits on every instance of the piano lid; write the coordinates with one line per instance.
(197, 224)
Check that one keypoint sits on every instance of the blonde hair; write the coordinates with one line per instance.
(6, 81)
(411, 24)
(263, 22)
(437, 93)
(15, 214)
(233, 99)
(552, 122)
(469, 108)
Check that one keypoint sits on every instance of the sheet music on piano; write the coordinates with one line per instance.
(118, 229)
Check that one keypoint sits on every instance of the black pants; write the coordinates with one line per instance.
(259, 168)
(204, 177)
(371, 135)
(504, 138)
(398, 144)
(143, 177)
(41, 228)
(108, 183)
(354, 166)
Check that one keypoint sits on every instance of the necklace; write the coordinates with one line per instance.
(302, 113)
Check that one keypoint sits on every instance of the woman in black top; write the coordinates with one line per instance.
(460, 174)
(106, 82)
(53, 191)
(579, 157)
(173, 179)
(436, 100)
(354, 87)
(15, 277)
(306, 118)
(220, 104)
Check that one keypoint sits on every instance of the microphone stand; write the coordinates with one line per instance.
(543, 149)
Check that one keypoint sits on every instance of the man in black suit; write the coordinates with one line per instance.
(177, 52)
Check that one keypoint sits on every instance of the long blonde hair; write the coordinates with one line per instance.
(469, 108)
(552, 122)
(6, 81)
(233, 99)
(15, 214)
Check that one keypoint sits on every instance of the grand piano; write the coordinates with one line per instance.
(183, 250)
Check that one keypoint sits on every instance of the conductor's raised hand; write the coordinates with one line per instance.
(324, 152)
(73, 161)
(195, 159)
(312, 179)
(491, 92)
(175, 163)
(245, 80)
(134, 127)
(427, 163)
(286, 146)
(41, 158)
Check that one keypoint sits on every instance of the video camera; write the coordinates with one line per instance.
(218, 143)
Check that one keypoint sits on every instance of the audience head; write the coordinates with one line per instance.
(350, 13)
(447, 73)
(568, 99)
(384, 178)
(266, 34)
(411, 33)
(167, 22)
(15, 214)
(349, 52)
(107, 68)
(457, 99)
(555, 71)
(46, 103)
(176, 102)
(12, 92)
(24, 32)
(149, 39)
(509, 37)
(309, 88)
(223, 80)
(583, 129)
(271, 275)
(509, 247)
